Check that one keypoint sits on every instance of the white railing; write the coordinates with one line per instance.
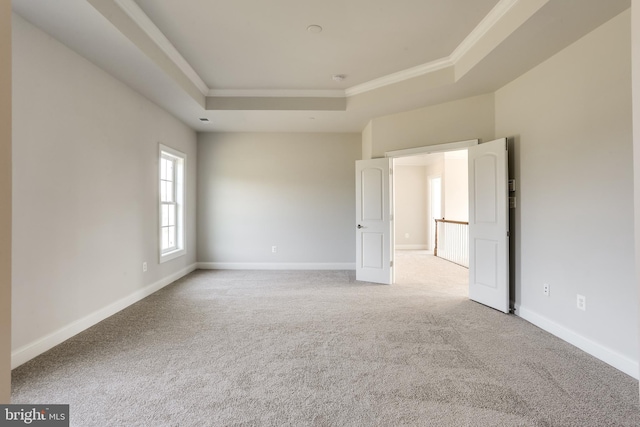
(452, 241)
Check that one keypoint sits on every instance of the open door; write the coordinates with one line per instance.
(374, 221)
(489, 225)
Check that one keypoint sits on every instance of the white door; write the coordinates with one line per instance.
(374, 221)
(489, 225)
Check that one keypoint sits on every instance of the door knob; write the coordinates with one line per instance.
(359, 226)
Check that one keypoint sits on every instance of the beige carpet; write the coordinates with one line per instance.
(274, 348)
(423, 269)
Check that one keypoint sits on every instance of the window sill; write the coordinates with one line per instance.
(172, 255)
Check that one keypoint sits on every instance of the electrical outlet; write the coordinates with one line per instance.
(274, 249)
(545, 289)
(582, 302)
(144, 267)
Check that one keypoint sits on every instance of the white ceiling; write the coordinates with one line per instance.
(251, 65)
(253, 44)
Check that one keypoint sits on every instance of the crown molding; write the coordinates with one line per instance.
(499, 12)
(400, 76)
(144, 22)
(488, 22)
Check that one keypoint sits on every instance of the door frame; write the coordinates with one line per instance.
(430, 217)
(430, 149)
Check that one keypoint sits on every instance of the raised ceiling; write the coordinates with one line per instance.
(265, 44)
(251, 65)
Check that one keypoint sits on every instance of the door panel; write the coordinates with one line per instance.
(486, 266)
(373, 257)
(485, 189)
(372, 196)
(374, 230)
(489, 225)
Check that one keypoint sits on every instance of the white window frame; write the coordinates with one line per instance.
(179, 200)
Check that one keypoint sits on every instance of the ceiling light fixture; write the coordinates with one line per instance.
(204, 120)
(314, 29)
(338, 77)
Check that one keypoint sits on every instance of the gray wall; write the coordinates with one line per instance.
(460, 120)
(571, 122)
(456, 186)
(293, 191)
(410, 203)
(85, 171)
(5, 206)
(412, 198)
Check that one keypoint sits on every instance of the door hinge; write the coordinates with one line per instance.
(512, 202)
(391, 264)
(512, 185)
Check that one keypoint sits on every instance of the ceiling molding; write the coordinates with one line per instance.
(144, 22)
(465, 48)
(277, 93)
(499, 12)
(487, 23)
(400, 76)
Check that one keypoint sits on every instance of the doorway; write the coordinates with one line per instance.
(487, 207)
(429, 187)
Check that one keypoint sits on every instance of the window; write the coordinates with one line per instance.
(172, 195)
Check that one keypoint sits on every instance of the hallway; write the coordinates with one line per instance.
(421, 267)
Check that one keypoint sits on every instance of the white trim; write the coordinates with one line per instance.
(168, 256)
(475, 36)
(275, 266)
(181, 201)
(499, 11)
(432, 225)
(438, 148)
(607, 355)
(481, 30)
(172, 151)
(142, 20)
(277, 93)
(400, 76)
(39, 346)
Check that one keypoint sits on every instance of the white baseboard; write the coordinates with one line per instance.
(36, 348)
(275, 266)
(411, 247)
(607, 355)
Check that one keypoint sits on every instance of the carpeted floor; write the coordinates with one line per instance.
(284, 348)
